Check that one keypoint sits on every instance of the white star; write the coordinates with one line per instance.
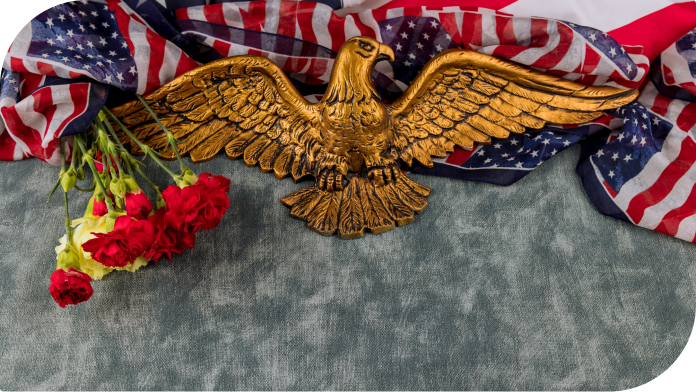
(432, 55)
(505, 155)
(94, 13)
(537, 137)
(102, 41)
(520, 150)
(553, 152)
(61, 17)
(82, 28)
(107, 79)
(566, 143)
(593, 37)
(90, 44)
(634, 139)
(12, 81)
(645, 116)
(433, 23)
(623, 50)
(45, 55)
(106, 25)
(132, 70)
(693, 46)
(49, 22)
(389, 27)
(600, 153)
(615, 156)
(411, 56)
(535, 153)
(642, 141)
(627, 158)
(71, 48)
(546, 141)
(497, 145)
(114, 35)
(449, 38)
(621, 136)
(518, 165)
(80, 47)
(612, 52)
(59, 52)
(511, 159)
(487, 161)
(92, 26)
(78, 56)
(65, 59)
(112, 53)
(83, 13)
(411, 25)
(513, 142)
(85, 66)
(109, 61)
(426, 36)
(398, 47)
(99, 63)
(644, 126)
(611, 174)
(90, 56)
(120, 77)
(656, 122)
(407, 63)
(71, 15)
(404, 35)
(635, 121)
(625, 120)
(480, 153)
(439, 48)
(494, 165)
(419, 45)
(60, 38)
(629, 68)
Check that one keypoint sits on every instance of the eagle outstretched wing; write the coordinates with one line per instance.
(244, 104)
(462, 97)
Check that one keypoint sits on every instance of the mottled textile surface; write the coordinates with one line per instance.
(518, 288)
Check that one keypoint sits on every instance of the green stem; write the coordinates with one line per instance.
(95, 173)
(74, 155)
(154, 187)
(170, 137)
(62, 153)
(143, 147)
(65, 194)
(120, 146)
(105, 135)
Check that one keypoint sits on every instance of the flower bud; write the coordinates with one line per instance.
(68, 179)
(188, 177)
(131, 185)
(67, 259)
(160, 201)
(118, 187)
(111, 221)
(81, 173)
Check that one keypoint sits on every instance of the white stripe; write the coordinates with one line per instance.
(230, 11)
(65, 107)
(574, 56)
(687, 229)
(489, 37)
(523, 30)
(653, 215)
(320, 25)
(678, 63)
(196, 13)
(172, 56)
(272, 18)
(605, 15)
(141, 49)
(529, 56)
(350, 29)
(368, 20)
(395, 13)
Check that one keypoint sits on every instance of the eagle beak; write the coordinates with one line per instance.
(385, 53)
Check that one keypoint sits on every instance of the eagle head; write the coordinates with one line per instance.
(355, 62)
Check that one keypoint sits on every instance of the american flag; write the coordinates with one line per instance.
(637, 162)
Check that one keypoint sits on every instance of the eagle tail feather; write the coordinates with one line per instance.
(361, 206)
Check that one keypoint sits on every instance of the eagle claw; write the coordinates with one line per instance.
(381, 176)
(331, 180)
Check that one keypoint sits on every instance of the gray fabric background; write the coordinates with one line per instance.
(517, 288)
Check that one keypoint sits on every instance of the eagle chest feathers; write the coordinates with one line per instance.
(355, 130)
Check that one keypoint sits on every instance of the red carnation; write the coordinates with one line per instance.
(99, 207)
(138, 205)
(98, 162)
(70, 287)
(198, 206)
(167, 238)
(120, 247)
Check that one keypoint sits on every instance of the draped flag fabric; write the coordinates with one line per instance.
(637, 162)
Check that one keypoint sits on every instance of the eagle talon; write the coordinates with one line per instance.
(382, 176)
(330, 181)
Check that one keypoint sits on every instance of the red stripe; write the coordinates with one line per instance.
(21, 131)
(665, 183)
(609, 189)
(490, 4)
(80, 96)
(255, 18)
(675, 20)
(75, 75)
(7, 146)
(413, 11)
(459, 156)
(46, 69)
(668, 74)
(670, 222)
(286, 18)
(691, 86)
(504, 30)
(449, 22)
(43, 103)
(552, 58)
(365, 30)
(17, 64)
(182, 14)
(687, 117)
(471, 30)
(305, 10)
(661, 104)
(540, 37)
(222, 47)
(157, 45)
(213, 14)
(592, 59)
(123, 21)
(337, 31)
(185, 64)
(30, 82)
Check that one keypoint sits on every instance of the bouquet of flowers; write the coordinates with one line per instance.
(120, 228)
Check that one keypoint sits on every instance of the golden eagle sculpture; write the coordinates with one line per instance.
(350, 141)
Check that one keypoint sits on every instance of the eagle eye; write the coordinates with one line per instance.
(366, 46)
